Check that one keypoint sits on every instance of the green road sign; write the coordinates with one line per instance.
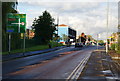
(16, 23)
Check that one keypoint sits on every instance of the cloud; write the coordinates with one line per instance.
(88, 17)
(68, 0)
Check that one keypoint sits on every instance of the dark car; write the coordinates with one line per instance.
(78, 45)
(101, 44)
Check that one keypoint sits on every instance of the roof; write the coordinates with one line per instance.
(63, 25)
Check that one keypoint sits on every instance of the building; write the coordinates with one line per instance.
(114, 37)
(29, 34)
(66, 33)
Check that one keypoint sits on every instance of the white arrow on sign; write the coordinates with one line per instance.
(22, 23)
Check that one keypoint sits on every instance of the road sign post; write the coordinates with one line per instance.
(16, 23)
(9, 43)
(24, 43)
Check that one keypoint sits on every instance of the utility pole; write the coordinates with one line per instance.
(107, 26)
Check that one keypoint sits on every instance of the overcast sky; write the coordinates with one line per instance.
(88, 17)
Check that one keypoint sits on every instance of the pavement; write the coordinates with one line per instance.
(100, 67)
(20, 55)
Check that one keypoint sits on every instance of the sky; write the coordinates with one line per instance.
(88, 16)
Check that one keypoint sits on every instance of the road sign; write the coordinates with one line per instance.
(16, 23)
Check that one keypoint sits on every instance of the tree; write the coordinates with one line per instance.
(56, 37)
(119, 42)
(44, 28)
(100, 41)
(8, 7)
(65, 37)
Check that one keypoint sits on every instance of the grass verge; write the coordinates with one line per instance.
(34, 48)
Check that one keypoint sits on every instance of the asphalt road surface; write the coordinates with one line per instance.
(59, 64)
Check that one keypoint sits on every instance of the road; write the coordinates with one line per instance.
(59, 64)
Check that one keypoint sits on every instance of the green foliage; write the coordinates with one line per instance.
(89, 37)
(113, 46)
(34, 48)
(100, 41)
(44, 28)
(118, 51)
(65, 37)
(9, 7)
(119, 44)
(55, 44)
(56, 38)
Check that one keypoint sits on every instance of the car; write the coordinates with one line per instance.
(101, 44)
(78, 44)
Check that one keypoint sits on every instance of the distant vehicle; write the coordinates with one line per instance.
(78, 44)
(73, 43)
(101, 44)
(68, 43)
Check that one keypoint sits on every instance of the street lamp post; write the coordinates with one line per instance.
(107, 26)
(119, 25)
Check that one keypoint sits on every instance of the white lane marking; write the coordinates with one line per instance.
(77, 71)
(64, 48)
(61, 49)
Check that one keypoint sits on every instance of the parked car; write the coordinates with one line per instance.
(78, 44)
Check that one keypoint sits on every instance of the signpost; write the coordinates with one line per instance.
(16, 23)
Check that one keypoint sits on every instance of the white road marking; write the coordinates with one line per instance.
(77, 71)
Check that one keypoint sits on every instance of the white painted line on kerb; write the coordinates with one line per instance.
(77, 71)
